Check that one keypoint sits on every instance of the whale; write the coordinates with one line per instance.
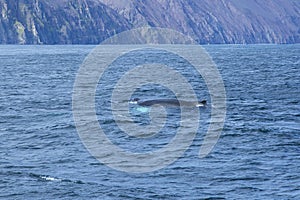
(167, 102)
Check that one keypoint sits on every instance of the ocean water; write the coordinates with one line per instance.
(256, 157)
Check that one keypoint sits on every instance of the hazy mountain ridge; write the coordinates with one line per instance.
(219, 21)
(91, 21)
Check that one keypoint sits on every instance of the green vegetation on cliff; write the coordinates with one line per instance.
(61, 22)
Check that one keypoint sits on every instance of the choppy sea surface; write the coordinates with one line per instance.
(256, 157)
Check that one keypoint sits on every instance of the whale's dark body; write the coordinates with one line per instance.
(168, 102)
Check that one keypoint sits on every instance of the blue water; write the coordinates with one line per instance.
(256, 157)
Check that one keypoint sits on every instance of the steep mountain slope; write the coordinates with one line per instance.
(91, 21)
(218, 21)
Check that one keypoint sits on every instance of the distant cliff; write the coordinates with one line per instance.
(91, 21)
(58, 22)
